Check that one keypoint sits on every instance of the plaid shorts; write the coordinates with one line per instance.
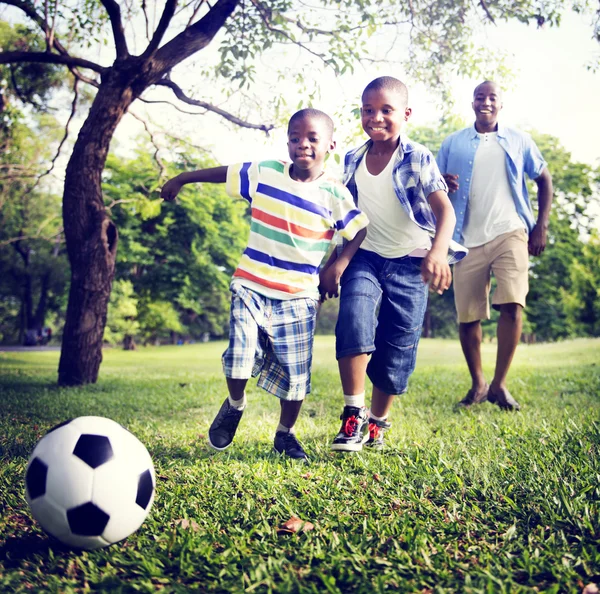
(272, 339)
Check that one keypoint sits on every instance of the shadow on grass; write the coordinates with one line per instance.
(16, 549)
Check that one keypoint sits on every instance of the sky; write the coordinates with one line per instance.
(552, 92)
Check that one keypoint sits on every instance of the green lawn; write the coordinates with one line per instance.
(471, 501)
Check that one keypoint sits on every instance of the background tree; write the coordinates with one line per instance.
(178, 257)
(333, 32)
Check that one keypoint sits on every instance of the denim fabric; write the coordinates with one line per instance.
(457, 155)
(382, 305)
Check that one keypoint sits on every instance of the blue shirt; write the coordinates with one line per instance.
(415, 175)
(457, 155)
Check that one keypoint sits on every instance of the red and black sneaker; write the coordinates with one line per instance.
(354, 431)
(377, 430)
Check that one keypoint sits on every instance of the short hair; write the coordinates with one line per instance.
(387, 83)
(316, 114)
(487, 82)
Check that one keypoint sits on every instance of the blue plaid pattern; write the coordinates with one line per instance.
(272, 339)
(415, 175)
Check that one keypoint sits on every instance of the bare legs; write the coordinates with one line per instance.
(353, 370)
(289, 409)
(508, 333)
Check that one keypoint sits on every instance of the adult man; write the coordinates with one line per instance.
(484, 167)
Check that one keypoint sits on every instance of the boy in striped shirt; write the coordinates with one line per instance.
(295, 212)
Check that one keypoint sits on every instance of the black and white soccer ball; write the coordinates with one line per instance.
(90, 482)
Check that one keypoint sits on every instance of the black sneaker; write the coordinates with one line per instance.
(377, 431)
(286, 443)
(223, 428)
(354, 430)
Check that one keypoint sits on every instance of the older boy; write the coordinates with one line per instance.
(397, 184)
(296, 210)
(485, 166)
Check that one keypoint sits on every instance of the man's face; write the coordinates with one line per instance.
(383, 114)
(309, 141)
(487, 103)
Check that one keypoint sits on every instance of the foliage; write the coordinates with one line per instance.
(179, 257)
(472, 501)
(32, 258)
(31, 83)
(122, 313)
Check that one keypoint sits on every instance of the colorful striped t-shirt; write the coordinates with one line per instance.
(292, 226)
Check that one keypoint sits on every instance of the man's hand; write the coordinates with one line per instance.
(435, 272)
(171, 189)
(537, 240)
(451, 181)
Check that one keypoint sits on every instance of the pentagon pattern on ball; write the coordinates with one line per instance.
(60, 425)
(36, 478)
(145, 489)
(94, 450)
(87, 520)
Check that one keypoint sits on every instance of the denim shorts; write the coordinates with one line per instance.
(382, 306)
(272, 339)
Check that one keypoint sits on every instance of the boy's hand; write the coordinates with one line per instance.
(171, 189)
(329, 282)
(451, 181)
(435, 272)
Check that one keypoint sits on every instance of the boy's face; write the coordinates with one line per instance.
(383, 114)
(487, 103)
(309, 141)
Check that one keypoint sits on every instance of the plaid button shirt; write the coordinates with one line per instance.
(415, 175)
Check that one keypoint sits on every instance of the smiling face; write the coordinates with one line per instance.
(383, 114)
(309, 141)
(487, 103)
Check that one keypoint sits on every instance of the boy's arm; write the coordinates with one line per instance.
(332, 272)
(435, 269)
(212, 175)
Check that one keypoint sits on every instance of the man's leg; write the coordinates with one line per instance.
(508, 333)
(470, 340)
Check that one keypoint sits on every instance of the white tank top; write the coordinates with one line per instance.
(391, 233)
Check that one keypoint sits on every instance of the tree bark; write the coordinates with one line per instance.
(91, 236)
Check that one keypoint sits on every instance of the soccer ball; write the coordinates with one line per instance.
(89, 482)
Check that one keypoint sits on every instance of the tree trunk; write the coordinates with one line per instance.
(91, 237)
(129, 343)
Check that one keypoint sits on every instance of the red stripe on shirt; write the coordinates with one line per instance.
(279, 223)
(267, 283)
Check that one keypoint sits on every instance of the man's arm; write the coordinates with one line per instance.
(212, 175)
(435, 269)
(332, 272)
(538, 235)
(451, 179)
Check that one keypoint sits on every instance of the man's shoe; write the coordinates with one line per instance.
(287, 444)
(354, 430)
(223, 428)
(473, 397)
(504, 400)
(377, 431)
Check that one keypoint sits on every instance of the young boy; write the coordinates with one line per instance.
(397, 184)
(296, 210)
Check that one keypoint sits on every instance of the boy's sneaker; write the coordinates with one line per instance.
(354, 430)
(286, 443)
(223, 428)
(377, 431)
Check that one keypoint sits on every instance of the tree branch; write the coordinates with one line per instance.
(163, 25)
(225, 114)
(114, 14)
(157, 148)
(193, 38)
(46, 58)
(487, 11)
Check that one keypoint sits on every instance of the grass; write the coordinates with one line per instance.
(473, 501)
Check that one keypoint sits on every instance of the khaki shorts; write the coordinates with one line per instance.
(507, 257)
